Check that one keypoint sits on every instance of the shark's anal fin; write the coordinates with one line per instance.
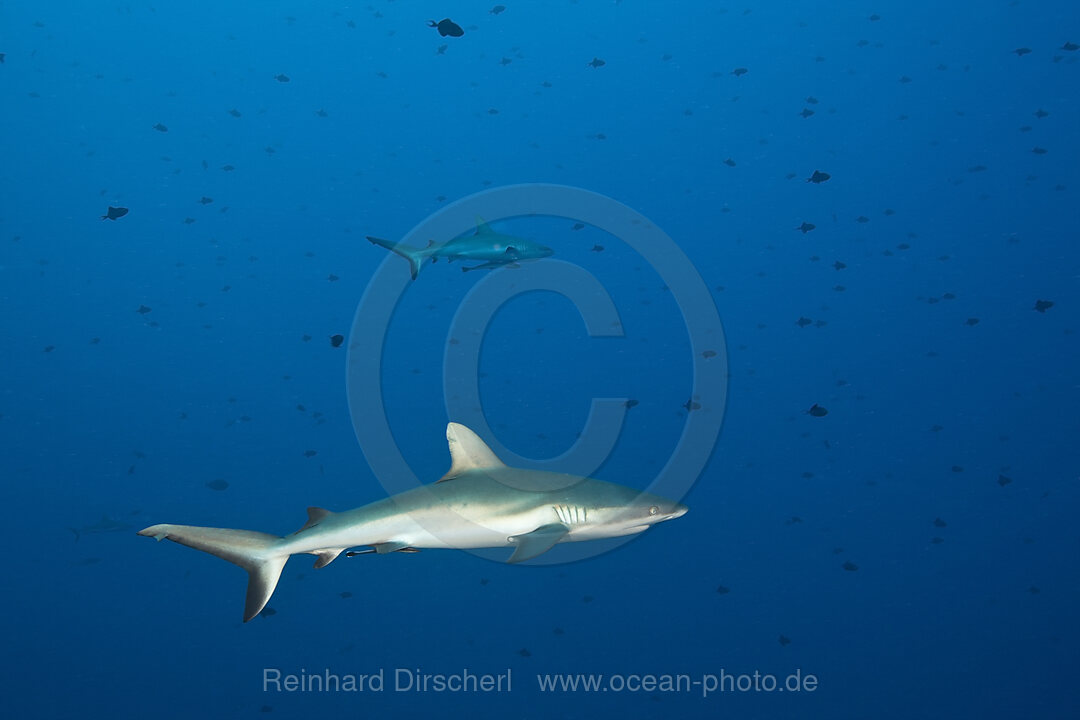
(326, 557)
(467, 452)
(537, 542)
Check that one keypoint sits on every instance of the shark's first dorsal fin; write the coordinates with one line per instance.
(482, 228)
(315, 515)
(467, 452)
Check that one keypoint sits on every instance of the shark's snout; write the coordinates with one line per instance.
(545, 251)
(678, 511)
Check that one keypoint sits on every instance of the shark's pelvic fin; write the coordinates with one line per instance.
(537, 542)
(253, 551)
(467, 452)
(415, 256)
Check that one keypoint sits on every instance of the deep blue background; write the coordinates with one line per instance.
(206, 385)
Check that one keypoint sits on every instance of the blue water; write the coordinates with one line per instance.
(914, 550)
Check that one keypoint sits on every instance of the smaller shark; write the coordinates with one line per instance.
(495, 249)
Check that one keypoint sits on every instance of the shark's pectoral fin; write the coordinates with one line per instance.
(537, 542)
(326, 556)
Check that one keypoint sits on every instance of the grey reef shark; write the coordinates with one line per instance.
(494, 249)
(478, 503)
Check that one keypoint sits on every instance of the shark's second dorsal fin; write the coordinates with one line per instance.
(482, 228)
(467, 452)
(315, 515)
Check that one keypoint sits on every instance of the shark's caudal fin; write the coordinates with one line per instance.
(415, 256)
(253, 551)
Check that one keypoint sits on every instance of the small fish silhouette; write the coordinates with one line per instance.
(447, 27)
(114, 213)
(818, 177)
(597, 63)
(817, 411)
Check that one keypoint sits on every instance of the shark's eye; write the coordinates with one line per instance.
(653, 510)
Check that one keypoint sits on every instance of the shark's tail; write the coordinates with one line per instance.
(415, 256)
(254, 551)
